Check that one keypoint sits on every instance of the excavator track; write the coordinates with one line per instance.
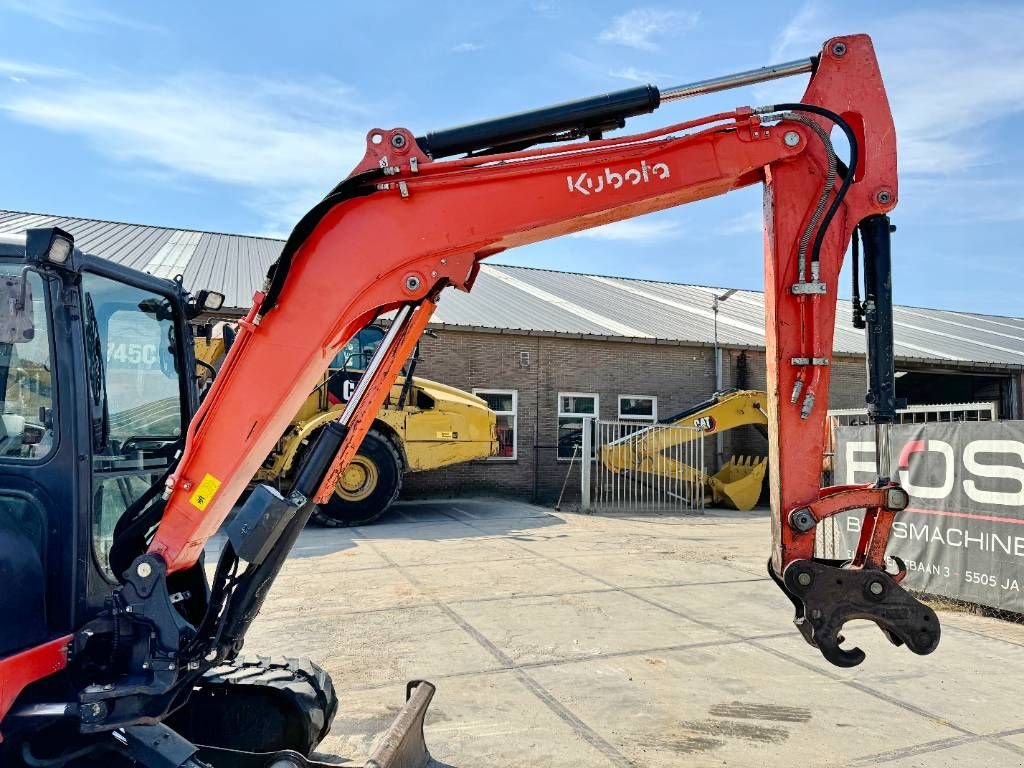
(260, 704)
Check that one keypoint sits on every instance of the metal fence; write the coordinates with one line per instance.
(640, 467)
(920, 414)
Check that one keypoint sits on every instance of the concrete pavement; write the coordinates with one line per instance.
(564, 640)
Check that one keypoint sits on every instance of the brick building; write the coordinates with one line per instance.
(546, 348)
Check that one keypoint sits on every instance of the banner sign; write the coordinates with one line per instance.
(963, 533)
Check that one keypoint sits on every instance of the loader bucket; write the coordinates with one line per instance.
(738, 483)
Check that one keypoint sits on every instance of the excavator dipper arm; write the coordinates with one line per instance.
(404, 226)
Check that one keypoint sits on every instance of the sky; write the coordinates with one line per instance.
(237, 117)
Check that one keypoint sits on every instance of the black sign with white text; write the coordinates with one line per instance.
(963, 534)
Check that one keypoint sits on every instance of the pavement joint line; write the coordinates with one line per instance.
(558, 709)
(711, 625)
(954, 628)
(554, 663)
(938, 745)
(926, 748)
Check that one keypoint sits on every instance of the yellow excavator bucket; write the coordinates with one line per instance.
(738, 483)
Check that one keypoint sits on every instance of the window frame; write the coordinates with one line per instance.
(559, 415)
(514, 413)
(55, 404)
(652, 419)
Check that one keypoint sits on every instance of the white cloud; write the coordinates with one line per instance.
(20, 71)
(949, 73)
(637, 75)
(632, 230)
(76, 15)
(752, 221)
(283, 144)
(804, 32)
(641, 27)
(467, 47)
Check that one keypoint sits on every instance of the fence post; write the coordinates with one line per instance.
(585, 464)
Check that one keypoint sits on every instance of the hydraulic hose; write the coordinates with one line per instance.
(844, 187)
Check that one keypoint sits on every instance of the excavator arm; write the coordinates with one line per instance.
(405, 225)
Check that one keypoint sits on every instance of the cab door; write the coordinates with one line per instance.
(138, 398)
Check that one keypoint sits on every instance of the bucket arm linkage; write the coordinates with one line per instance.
(404, 226)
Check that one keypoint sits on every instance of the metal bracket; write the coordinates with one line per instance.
(813, 288)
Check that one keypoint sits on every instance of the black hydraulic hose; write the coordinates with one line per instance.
(844, 187)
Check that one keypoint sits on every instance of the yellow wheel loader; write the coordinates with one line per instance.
(422, 425)
(647, 453)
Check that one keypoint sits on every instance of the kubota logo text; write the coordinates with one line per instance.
(586, 184)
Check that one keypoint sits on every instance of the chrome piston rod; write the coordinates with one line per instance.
(375, 362)
(737, 80)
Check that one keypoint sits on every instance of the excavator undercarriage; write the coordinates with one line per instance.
(123, 622)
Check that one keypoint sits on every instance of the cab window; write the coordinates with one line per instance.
(136, 408)
(355, 355)
(26, 381)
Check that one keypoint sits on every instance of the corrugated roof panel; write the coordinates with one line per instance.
(545, 300)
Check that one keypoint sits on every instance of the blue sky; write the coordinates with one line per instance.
(236, 117)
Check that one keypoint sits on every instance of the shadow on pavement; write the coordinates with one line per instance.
(421, 520)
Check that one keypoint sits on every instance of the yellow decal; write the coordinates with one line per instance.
(446, 435)
(205, 491)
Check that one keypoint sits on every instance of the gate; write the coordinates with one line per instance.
(642, 467)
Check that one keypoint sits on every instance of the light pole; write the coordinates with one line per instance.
(719, 298)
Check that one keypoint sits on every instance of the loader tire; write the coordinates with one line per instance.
(368, 488)
(259, 704)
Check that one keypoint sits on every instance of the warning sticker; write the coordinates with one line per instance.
(205, 491)
(446, 435)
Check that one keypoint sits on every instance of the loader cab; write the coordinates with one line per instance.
(95, 373)
(349, 364)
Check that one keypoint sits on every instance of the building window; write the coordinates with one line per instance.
(505, 404)
(573, 407)
(638, 408)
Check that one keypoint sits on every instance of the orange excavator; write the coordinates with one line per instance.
(133, 658)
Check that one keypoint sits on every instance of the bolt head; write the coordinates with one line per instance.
(884, 197)
(412, 283)
(839, 49)
(792, 138)
(144, 570)
(398, 141)
(804, 579)
(876, 587)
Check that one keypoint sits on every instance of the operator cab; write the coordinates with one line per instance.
(95, 374)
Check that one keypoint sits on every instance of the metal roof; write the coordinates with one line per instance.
(544, 301)
(233, 264)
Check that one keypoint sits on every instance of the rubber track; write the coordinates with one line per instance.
(305, 686)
